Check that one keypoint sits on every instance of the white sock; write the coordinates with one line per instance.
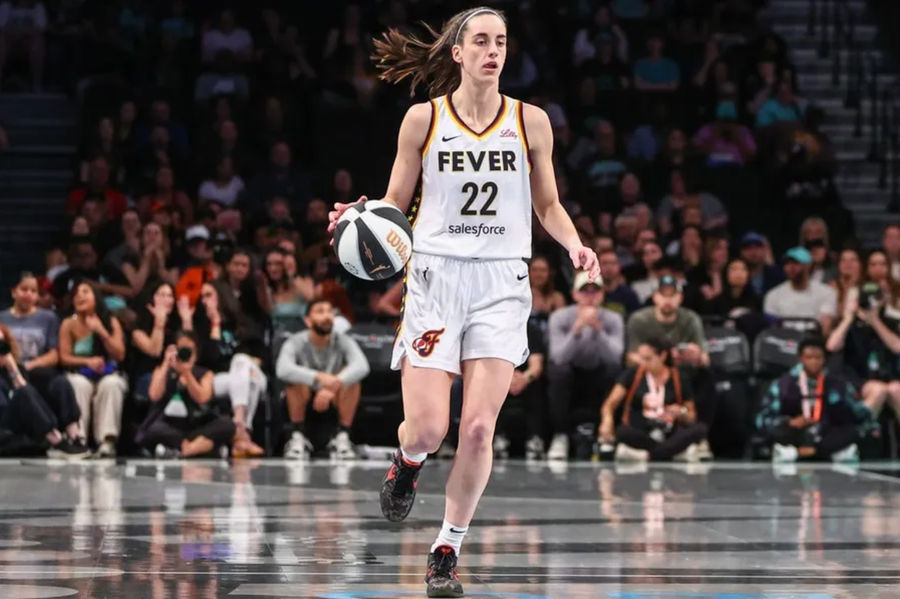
(415, 458)
(451, 535)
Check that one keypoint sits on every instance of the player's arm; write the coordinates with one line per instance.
(407, 165)
(544, 195)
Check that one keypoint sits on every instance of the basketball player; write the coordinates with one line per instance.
(485, 164)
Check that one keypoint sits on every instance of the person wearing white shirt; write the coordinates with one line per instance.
(227, 37)
(799, 296)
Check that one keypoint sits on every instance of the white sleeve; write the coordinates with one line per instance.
(829, 301)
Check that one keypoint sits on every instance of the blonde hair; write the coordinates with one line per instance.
(400, 56)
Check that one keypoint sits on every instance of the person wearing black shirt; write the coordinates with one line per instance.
(233, 353)
(526, 390)
(155, 330)
(181, 423)
(659, 419)
(869, 335)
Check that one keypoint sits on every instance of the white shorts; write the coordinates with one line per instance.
(459, 309)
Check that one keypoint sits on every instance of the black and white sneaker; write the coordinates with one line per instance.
(69, 450)
(441, 577)
(398, 490)
(166, 453)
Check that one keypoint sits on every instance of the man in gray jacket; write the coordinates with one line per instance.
(324, 367)
(586, 344)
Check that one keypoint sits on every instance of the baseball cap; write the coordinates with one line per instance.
(668, 282)
(798, 254)
(752, 238)
(196, 232)
(581, 281)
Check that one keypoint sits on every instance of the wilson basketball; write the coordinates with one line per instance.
(373, 240)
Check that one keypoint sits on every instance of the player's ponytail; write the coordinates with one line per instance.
(402, 56)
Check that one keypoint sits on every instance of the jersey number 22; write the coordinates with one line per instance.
(489, 189)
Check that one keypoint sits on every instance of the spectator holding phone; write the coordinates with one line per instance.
(181, 424)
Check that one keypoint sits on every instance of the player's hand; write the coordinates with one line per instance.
(584, 258)
(339, 210)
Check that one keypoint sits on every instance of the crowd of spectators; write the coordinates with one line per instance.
(214, 139)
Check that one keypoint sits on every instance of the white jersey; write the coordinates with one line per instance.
(476, 189)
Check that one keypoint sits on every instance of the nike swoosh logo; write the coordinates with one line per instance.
(456, 531)
(449, 138)
(522, 278)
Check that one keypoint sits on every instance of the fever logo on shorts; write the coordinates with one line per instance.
(424, 345)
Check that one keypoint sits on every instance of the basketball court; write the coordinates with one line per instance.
(274, 529)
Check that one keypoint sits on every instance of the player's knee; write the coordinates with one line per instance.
(478, 432)
(893, 389)
(426, 438)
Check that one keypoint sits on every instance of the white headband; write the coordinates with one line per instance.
(466, 20)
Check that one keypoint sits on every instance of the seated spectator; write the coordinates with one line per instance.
(589, 40)
(199, 265)
(233, 352)
(659, 420)
(160, 117)
(599, 161)
(150, 262)
(22, 27)
(227, 36)
(878, 269)
(783, 107)
(800, 297)
(890, 243)
(177, 23)
(157, 323)
(33, 334)
(273, 128)
(725, 142)
(651, 254)
(545, 299)
(323, 368)
(24, 411)
(527, 391)
(656, 72)
(760, 85)
(869, 335)
(713, 212)
(849, 276)
(279, 180)
(811, 413)
(249, 287)
(814, 237)
(689, 246)
(605, 70)
(646, 140)
(83, 266)
(92, 346)
(520, 72)
(102, 143)
(314, 232)
(181, 423)
(290, 292)
(709, 276)
(130, 233)
(755, 251)
(224, 80)
(736, 297)
(617, 294)
(586, 343)
(166, 195)
(98, 185)
(224, 187)
(678, 327)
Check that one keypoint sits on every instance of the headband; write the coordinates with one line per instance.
(466, 20)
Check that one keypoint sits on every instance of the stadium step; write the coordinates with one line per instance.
(35, 174)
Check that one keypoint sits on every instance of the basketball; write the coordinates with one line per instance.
(373, 240)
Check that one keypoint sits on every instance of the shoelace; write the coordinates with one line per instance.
(444, 564)
(405, 477)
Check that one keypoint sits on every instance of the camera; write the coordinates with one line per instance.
(869, 296)
(4, 347)
(184, 354)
